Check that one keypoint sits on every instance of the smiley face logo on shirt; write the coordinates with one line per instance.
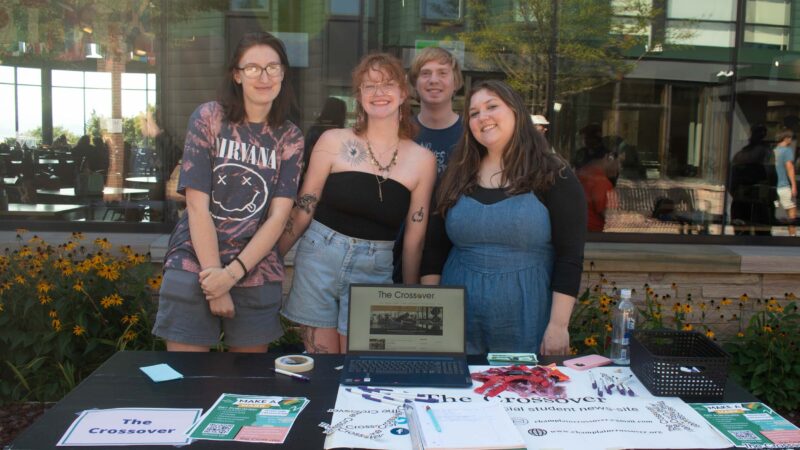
(239, 192)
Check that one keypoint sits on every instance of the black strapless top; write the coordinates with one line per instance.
(351, 205)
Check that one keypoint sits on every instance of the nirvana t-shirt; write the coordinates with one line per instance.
(241, 167)
(440, 142)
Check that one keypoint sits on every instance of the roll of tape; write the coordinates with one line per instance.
(294, 363)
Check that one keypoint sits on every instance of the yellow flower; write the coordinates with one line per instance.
(573, 351)
(77, 235)
(129, 335)
(656, 315)
(78, 286)
(726, 301)
(687, 308)
(98, 260)
(43, 287)
(7, 285)
(83, 266)
(108, 272)
(767, 329)
(740, 334)
(70, 246)
(53, 314)
(2, 307)
(111, 300)
(779, 308)
(133, 319)
(78, 330)
(45, 299)
(676, 307)
(688, 327)
(604, 309)
(605, 300)
(56, 324)
(25, 251)
(743, 298)
(67, 271)
(102, 243)
(126, 249)
(608, 327)
(702, 306)
(590, 341)
(35, 240)
(709, 334)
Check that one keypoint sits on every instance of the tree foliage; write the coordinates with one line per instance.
(594, 42)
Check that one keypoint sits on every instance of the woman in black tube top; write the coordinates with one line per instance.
(361, 185)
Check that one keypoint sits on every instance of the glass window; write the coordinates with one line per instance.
(345, 7)
(68, 108)
(6, 74)
(441, 9)
(30, 110)
(7, 112)
(134, 81)
(98, 80)
(29, 76)
(67, 78)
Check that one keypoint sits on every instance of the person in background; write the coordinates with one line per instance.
(241, 167)
(435, 76)
(513, 214)
(361, 186)
(332, 116)
(540, 123)
(787, 184)
(597, 186)
(752, 176)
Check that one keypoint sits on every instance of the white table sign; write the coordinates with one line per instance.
(131, 426)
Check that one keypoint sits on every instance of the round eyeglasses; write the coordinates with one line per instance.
(370, 89)
(273, 70)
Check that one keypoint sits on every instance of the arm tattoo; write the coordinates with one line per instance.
(307, 202)
(289, 229)
(308, 334)
(418, 216)
(353, 152)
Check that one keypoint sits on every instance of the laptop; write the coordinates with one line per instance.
(406, 336)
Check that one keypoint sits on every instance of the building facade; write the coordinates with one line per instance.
(667, 92)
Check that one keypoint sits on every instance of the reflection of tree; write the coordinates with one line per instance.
(593, 40)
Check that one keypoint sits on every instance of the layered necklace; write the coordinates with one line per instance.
(382, 170)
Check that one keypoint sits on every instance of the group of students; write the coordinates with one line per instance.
(477, 200)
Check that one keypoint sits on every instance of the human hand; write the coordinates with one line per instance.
(215, 282)
(222, 306)
(555, 341)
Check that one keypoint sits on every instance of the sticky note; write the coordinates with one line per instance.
(161, 372)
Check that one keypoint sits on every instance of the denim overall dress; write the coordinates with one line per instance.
(503, 255)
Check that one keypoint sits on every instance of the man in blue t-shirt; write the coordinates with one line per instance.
(436, 76)
(786, 185)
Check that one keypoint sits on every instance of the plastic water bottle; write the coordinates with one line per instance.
(624, 323)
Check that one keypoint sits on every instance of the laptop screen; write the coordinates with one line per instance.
(396, 318)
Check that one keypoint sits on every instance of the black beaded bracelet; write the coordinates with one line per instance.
(241, 264)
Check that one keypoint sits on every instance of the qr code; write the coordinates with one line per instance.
(745, 435)
(218, 428)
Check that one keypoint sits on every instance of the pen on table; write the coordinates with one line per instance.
(433, 418)
(292, 374)
(400, 395)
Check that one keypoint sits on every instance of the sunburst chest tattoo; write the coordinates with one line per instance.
(307, 202)
(353, 152)
(418, 216)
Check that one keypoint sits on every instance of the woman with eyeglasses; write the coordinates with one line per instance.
(240, 172)
(361, 185)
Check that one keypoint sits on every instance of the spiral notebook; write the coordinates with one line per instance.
(462, 426)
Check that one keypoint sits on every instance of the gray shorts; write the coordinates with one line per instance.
(185, 317)
(325, 264)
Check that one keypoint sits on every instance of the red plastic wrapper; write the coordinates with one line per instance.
(525, 381)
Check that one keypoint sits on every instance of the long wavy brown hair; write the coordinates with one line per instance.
(528, 163)
(392, 68)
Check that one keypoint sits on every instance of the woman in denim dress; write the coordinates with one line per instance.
(516, 216)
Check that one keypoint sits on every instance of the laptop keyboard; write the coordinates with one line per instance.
(380, 366)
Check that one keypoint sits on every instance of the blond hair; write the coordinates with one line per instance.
(439, 55)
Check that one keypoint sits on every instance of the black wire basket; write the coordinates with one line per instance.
(679, 364)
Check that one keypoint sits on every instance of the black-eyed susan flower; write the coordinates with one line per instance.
(56, 324)
(687, 308)
(743, 298)
(767, 329)
(688, 327)
(590, 341)
(102, 243)
(726, 301)
(108, 272)
(78, 330)
(740, 334)
(45, 299)
(710, 334)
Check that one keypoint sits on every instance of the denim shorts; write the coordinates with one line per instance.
(325, 264)
(185, 317)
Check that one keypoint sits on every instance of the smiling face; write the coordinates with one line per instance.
(380, 95)
(435, 83)
(491, 120)
(262, 90)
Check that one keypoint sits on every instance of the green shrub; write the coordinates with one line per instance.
(64, 310)
(766, 360)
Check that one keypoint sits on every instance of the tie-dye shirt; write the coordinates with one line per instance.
(241, 167)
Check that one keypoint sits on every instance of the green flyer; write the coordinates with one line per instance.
(750, 425)
(249, 418)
